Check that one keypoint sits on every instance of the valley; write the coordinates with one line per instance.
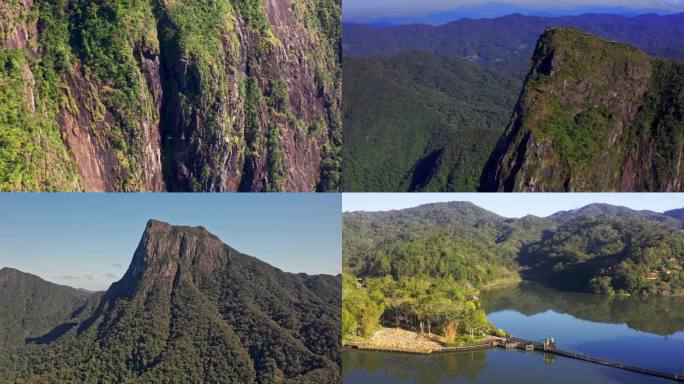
(407, 132)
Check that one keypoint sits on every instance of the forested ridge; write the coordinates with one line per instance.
(406, 133)
(407, 267)
(421, 122)
(190, 309)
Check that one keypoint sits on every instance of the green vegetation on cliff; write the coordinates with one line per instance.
(32, 154)
(151, 95)
(189, 309)
(583, 95)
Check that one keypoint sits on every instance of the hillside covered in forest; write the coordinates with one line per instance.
(423, 269)
(190, 309)
(181, 95)
(425, 122)
(406, 132)
(599, 248)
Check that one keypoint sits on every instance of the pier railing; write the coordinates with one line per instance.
(675, 376)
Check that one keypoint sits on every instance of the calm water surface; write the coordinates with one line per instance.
(643, 332)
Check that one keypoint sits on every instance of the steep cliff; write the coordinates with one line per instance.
(191, 309)
(212, 95)
(593, 115)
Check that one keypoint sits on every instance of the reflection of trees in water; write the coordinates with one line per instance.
(424, 369)
(659, 315)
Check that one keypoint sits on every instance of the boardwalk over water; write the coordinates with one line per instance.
(515, 342)
(537, 346)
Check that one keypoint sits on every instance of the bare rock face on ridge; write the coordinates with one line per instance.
(153, 95)
(593, 115)
(191, 309)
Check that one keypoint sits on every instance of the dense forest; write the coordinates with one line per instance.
(190, 309)
(404, 132)
(146, 95)
(420, 122)
(32, 306)
(505, 44)
(422, 267)
(425, 304)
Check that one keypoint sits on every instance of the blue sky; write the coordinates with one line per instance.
(514, 204)
(87, 240)
(384, 9)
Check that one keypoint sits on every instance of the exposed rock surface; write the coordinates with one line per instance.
(161, 95)
(191, 309)
(594, 115)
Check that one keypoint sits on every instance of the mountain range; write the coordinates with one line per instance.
(189, 309)
(170, 95)
(507, 43)
(499, 9)
(598, 248)
(403, 125)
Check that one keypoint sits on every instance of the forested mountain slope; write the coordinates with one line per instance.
(420, 109)
(31, 306)
(421, 122)
(593, 115)
(190, 309)
(156, 95)
(598, 248)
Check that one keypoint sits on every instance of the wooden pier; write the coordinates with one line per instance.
(551, 348)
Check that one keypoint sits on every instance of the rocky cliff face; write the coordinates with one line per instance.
(593, 115)
(217, 95)
(191, 309)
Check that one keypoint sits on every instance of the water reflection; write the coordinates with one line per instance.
(483, 367)
(637, 331)
(415, 368)
(648, 332)
(658, 315)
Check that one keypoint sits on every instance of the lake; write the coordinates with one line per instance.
(643, 332)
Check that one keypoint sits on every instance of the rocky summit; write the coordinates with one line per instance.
(190, 309)
(154, 95)
(594, 115)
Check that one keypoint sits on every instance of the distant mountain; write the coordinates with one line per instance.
(594, 115)
(456, 239)
(506, 43)
(421, 122)
(606, 210)
(191, 309)
(499, 9)
(598, 248)
(676, 213)
(32, 306)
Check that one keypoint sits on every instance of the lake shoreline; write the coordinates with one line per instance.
(404, 341)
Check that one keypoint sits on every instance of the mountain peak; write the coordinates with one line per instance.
(584, 94)
(164, 248)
